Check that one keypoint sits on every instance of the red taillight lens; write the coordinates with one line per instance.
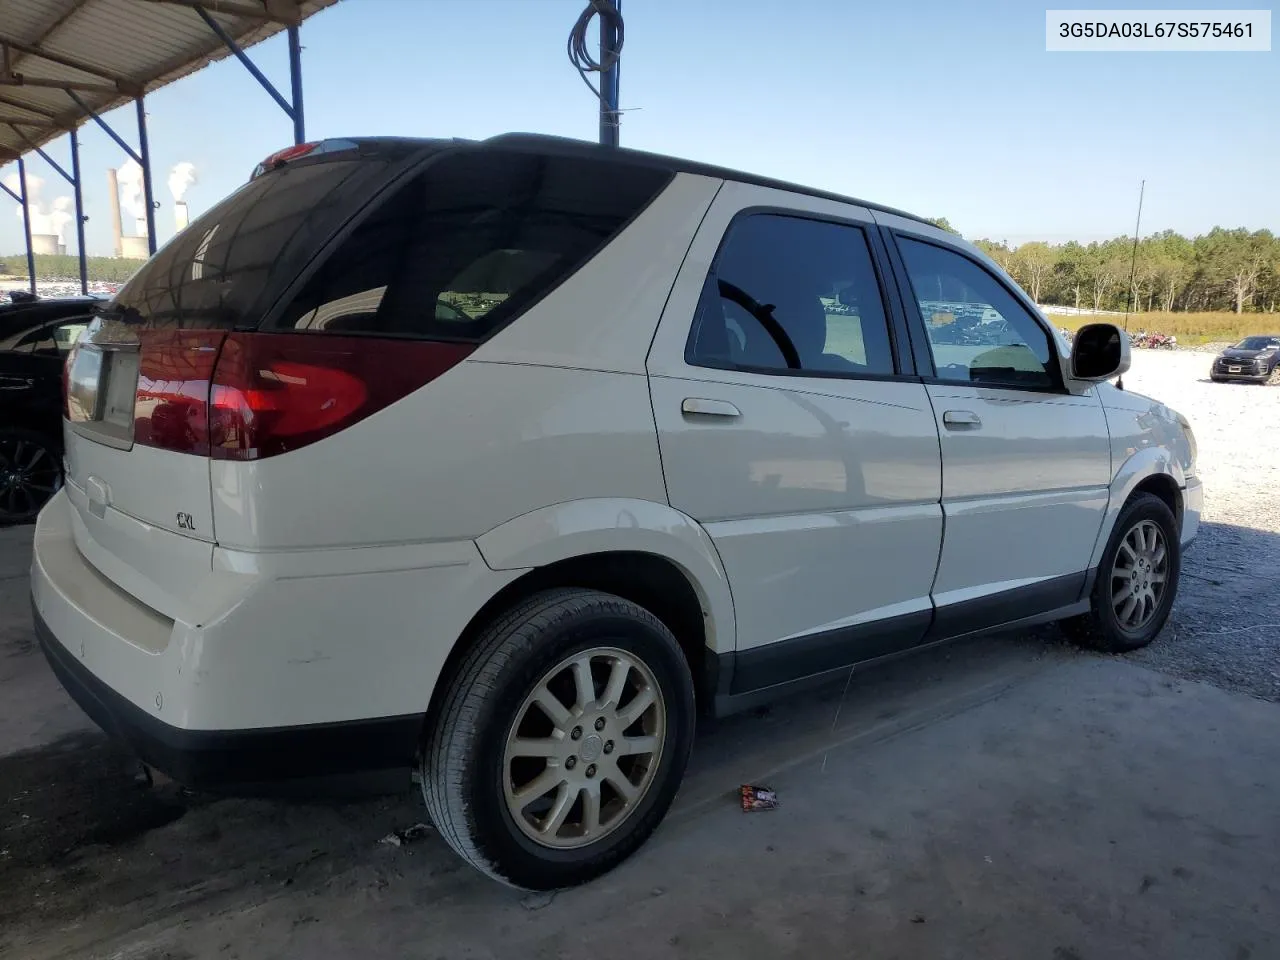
(275, 392)
(245, 396)
(171, 406)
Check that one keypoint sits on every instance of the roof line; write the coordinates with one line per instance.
(679, 165)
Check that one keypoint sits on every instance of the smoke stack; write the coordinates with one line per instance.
(181, 177)
(117, 229)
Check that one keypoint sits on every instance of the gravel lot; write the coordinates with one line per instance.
(1225, 628)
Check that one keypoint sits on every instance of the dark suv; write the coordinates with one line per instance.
(35, 336)
(1254, 359)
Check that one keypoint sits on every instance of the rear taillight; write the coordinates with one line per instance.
(245, 396)
(171, 406)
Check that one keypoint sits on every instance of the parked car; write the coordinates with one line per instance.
(35, 337)
(313, 529)
(1253, 359)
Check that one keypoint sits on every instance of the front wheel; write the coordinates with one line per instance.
(1137, 580)
(561, 741)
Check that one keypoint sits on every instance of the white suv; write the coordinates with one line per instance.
(501, 460)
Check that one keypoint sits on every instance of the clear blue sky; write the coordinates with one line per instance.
(943, 108)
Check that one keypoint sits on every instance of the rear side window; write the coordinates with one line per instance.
(791, 294)
(475, 239)
(219, 273)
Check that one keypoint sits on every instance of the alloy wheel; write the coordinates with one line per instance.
(584, 748)
(1139, 575)
(29, 476)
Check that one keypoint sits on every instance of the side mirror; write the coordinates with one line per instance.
(1099, 352)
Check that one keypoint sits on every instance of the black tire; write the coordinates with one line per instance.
(30, 474)
(462, 760)
(1100, 628)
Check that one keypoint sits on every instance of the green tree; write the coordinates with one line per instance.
(998, 252)
(1032, 266)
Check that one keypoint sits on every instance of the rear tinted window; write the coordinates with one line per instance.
(476, 238)
(220, 271)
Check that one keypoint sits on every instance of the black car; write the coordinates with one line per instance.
(35, 336)
(1253, 359)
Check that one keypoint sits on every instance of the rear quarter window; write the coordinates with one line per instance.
(220, 272)
(468, 244)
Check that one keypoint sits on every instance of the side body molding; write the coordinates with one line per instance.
(584, 527)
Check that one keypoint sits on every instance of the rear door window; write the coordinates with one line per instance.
(474, 240)
(790, 294)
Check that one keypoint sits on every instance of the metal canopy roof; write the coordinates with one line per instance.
(109, 52)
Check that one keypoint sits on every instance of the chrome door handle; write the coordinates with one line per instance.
(961, 418)
(700, 407)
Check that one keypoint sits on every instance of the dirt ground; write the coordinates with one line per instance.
(1004, 797)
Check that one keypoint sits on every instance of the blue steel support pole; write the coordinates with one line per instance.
(26, 225)
(249, 65)
(106, 128)
(72, 178)
(148, 195)
(295, 81)
(75, 183)
(609, 116)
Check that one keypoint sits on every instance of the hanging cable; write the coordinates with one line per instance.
(581, 57)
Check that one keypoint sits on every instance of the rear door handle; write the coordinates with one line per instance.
(700, 407)
(961, 418)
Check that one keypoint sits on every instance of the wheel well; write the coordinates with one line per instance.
(648, 580)
(1166, 488)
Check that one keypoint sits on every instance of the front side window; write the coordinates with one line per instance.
(978, 331)
(790, 294)
(473, 240)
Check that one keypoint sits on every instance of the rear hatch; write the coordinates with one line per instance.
(324, 290)
(139, 384)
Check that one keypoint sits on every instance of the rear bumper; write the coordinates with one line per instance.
(280, 670)
(360, 755)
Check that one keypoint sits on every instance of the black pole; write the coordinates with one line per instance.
(609, 116)
(26, 225)
(1133, 262)
(75, 172)
(295, 81)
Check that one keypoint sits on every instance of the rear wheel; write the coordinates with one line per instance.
(30, 474)
(1137, 580)
(561, 741)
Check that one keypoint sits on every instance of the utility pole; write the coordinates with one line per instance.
(609, 115)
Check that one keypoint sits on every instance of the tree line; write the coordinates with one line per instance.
(1222, 270)
(51, 266)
